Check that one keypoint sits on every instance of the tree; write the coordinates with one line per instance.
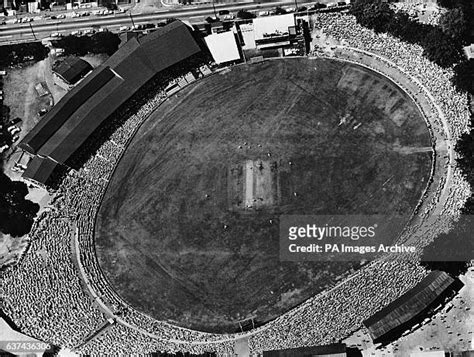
(210, 19)
(463, 77)
(454, 23)
(279, 11)
(244, 14)
(12, 55)
(74, 45)
(452, 251)
(104, 42)
(16, 213)
(441, 48)
(373, 14)
(450, 4)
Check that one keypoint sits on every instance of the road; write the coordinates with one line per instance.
(23, 32)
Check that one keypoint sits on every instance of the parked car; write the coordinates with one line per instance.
(16, 130)
(57, 51)
(56, 34)
(15, 138)
(15, 121)
(42, 112)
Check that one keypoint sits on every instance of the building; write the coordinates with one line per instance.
(428, 354)
(469, 51)
(67, 126)
(333, 350)
(70, 71)
(223, 47)
(396, 317)
(39, 171)
(274, 31)
(127, 36)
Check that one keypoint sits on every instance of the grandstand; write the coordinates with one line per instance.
(404, 311)
(333, 350)
(73, 120)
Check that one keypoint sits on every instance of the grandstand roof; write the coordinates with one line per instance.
(409, 305)
(223, 47)
(39, 170)
(61, 112)
(67, 126)
(469, 353)
(72, 69)
(428, 354)
(272, 24)
(333, 350)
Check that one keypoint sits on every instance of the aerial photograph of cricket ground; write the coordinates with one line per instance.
(237, 178)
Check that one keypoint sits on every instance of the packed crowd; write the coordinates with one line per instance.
(45, 296)
(426, 13)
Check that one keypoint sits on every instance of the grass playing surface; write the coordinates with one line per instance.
(188, 229)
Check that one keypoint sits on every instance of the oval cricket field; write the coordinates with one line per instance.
(188, 230)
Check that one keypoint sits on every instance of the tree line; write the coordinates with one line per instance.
(17, 54)
(16, 213)
(100, 42)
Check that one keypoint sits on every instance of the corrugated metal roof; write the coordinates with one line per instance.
(88, 105)
(408, 306)
(61, 112)
(39, 169)
(72, 69)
